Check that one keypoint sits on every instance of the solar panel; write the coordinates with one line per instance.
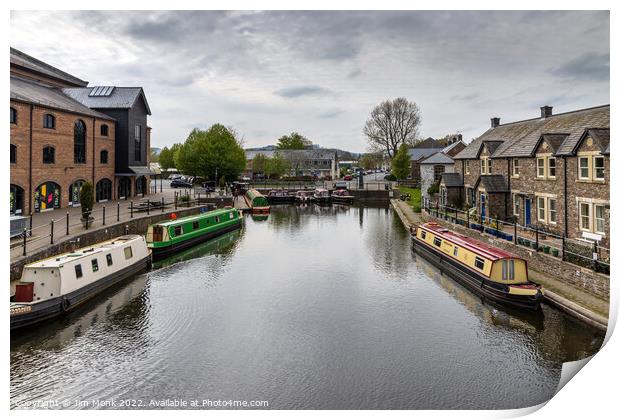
(101, 91)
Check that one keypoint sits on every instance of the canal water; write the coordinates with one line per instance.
(312, 308)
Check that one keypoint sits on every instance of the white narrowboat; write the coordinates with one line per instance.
(57, 285)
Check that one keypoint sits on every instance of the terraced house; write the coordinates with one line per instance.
(551, 171)
(64, 133)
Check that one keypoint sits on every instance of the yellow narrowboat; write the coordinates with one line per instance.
(490, 271)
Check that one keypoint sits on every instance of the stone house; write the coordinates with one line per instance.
(431, 170)
(451, 191)
(449, 146)
(555, 170)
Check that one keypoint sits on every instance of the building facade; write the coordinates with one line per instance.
(57, 142)
(551, 172)
(320, 163)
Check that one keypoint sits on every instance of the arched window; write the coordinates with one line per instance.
(17, 199)
(13, 116)
(104, 130)
(13, 153)
(104, 190)
(74, 192)
(103, 156)
(47, 196)
(79, 142)
(49, 121)
(49, 154)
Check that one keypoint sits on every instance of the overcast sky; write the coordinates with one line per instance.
(321, 73)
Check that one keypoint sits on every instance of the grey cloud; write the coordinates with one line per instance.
(330, 114)
(297, 91)
(590, 65)
(465, 97)
(355, 73)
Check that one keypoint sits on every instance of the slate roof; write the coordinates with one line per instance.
(429, 143)
(40, 94)
(418, 154)
(451, 179)
(121, 97)
(23, 60)
(520, 138)
(553, 140)
(601, 136)
(439, 158)
(493, 183)
(452, 146)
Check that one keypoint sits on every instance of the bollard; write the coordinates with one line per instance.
(103, 215)
(148, 206)
(467, 218)
(536, 229)
(25, 235)
(131, 209)
(67, 223)
(52, 231)
(162, 204)
(175, 201)
(30, 227)
(516, 232)
(563, 245)
(126, 229)
(118, 212)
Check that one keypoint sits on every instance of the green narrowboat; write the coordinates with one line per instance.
(257, 202)
(170, 236)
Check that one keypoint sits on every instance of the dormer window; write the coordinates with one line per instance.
(540, 167)
(551, 165)
(599, 168)
(485, 166)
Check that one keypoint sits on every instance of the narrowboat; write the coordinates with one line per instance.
(342, 197)
(279, 196)
(487, 270)
(57, 285)
(303, 196)
(321, 196)
(170, 236)
(257, 202)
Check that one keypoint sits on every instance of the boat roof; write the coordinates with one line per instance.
(59, 260)
(199, 216)
(484, 250)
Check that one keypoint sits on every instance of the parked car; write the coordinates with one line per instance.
(179, 183)
(209, 186)
(348, 178)
(174, 176)
(246, 178)
(340, 185)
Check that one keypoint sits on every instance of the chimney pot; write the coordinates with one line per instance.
(494, 122)
(546, 111)
(459, 137)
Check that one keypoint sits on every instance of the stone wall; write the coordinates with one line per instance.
(583, 278)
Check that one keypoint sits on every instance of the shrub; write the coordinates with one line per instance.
(390, 177)
(433, 189)
(86, 199)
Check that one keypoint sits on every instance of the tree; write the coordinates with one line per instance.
(166, 156)
(277, 166)
(293, 141)
(211, 154)
(259, 163)
(370, 160)
(401, 163)
(86, 201)
(392, 124)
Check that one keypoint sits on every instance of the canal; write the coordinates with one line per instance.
(313, 308)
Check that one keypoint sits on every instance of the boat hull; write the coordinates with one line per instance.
(474, 281)
(342, 199)
(161, 252)
(51, 308)
(280, 199)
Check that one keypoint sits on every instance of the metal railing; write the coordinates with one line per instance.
(536, 238)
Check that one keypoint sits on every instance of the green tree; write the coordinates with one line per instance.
(370, 160)
(259, 163)
(293, 141)
(211, 154)
(277, 166)
(86, 200)
(166, 156)
(401, 163)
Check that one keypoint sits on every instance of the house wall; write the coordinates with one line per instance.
(427, 176)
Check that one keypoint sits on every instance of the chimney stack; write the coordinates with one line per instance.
(494, 122)
(546, 111)
(459, 137)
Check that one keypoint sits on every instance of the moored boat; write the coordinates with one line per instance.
(170, 236)
(257, 202)
(279, 196)
(487, 270)
(303, 196)
(321, 196)
(57, 285)
(342, 196)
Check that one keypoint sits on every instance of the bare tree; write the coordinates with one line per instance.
(391, 124)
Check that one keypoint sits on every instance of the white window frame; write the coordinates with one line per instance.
(595, 167)
(540, 160)
(516, 208)
(516, 168)
(584, 205)
(553, 220)
(580, 167)
(549, 167)
(597, 219)
(543, 208)
(489, 166)
(483, 167)
(467, 167)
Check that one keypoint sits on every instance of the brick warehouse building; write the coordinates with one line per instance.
(57, 142)
(551, 171)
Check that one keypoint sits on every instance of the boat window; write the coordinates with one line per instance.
(231, 215)
(78, 271)
(511, 269)
(196, 225)
(456, 251)
(437, 242)
(95, 264)
(504, 270)
(128, 253)
(178, 230)
(423, 234)
(217, 219)
(108, 257)
(479, 263)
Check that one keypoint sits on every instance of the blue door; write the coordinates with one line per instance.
(528, 217)
(483, 207)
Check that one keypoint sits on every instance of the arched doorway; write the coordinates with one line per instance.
(74, 192)
(104, 190)
(47, 197)
(141, 185)
(124, 188)
(17, 199)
